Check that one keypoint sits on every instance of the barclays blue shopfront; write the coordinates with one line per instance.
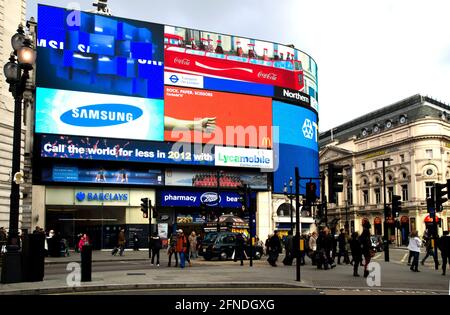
(98, 212)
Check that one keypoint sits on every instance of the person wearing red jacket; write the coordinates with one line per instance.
(181, 247)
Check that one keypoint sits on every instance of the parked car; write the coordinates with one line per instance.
(377, 243)
(223, 244)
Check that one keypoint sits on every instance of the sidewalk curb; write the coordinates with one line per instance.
(47, 263)
(117, 287)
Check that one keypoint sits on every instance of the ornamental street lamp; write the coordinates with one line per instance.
(16, 71)
(385, 225)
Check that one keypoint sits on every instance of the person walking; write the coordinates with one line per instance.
(274, 249)
(121, 242)
(366, 245)
(288, 247)
(444, 246)
(193, 245)
(342, 242)
(172, 249)
(429, 249)
(155, 246)
(181, 247)
(313, 248)
(410, 255)
(414, 245)
(356, 249)
(240, 248)
(267, 244)
(84, 240)
(135, 242)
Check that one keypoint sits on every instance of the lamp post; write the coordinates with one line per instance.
(17, 73)
(290, 196)
(385, 225)
(219, 174)
(346, 217)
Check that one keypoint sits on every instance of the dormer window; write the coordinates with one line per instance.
(388, 124)
(402, 119)
(376, 128)
(364, 132)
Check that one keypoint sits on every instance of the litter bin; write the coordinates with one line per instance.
(33, 257)
(86, 263)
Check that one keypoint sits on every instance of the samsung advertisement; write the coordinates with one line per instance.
(102, 115)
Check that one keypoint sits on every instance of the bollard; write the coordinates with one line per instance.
(86, 263)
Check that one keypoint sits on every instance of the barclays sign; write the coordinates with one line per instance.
(101, 196)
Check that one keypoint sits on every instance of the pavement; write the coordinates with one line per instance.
(138, 274)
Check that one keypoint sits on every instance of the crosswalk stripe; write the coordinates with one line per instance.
(404, 258)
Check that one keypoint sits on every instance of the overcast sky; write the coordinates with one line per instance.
(370, 53)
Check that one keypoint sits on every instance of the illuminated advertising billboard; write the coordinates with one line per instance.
(208, 179)
(103, 115)
(101, 175)
(96, 53)
(102, 149)
(237, 64)
(298, 137)
(221, 118)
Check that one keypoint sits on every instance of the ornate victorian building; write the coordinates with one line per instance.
(415, 134)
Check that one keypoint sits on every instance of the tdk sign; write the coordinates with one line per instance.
(101, 115)
(292, 96)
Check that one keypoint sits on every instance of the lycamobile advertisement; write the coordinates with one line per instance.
(95, 53)
(100, 115)
(237, 157)
(102, 149)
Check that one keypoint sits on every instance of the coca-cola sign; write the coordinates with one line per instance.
(180, 61)
(267, 76)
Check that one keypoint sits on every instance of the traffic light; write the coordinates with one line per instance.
(440, 193)
(335, 181)
(144, 207)
(242, 191)
(311, 193)
(155, 213)
(396, 205)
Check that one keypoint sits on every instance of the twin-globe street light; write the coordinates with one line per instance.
(16, 72)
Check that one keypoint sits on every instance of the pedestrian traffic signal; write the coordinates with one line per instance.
(155, 213)
(311, 193)
(440, 193)
(335, 181)
(144, 207)
(396, 205)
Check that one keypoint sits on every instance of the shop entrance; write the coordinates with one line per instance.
(101, 224)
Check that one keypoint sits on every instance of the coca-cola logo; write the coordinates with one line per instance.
(268, 76)
(184, 62)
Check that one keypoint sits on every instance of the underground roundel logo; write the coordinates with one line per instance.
(308, 130)
(173, 79)
(80, 196)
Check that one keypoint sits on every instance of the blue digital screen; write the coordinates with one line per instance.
(298, 145)
(297, 125)
(290, 157)
(92, 53)
(123, 176)
(102, 149)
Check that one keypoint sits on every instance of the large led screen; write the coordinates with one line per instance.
(102, 175)
(101, 115)
(208, 179)
(96, 53)
(236, 64)
(298, 145)
(202, 116)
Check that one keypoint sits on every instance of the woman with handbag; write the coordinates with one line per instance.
(366, 245)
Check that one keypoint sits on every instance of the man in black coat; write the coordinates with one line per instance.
(444, 246)
(274, 249)
(240, 247)
(288, 246)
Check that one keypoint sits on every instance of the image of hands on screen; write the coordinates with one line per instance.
(207, 125)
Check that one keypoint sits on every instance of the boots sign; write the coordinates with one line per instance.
(292, 96)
